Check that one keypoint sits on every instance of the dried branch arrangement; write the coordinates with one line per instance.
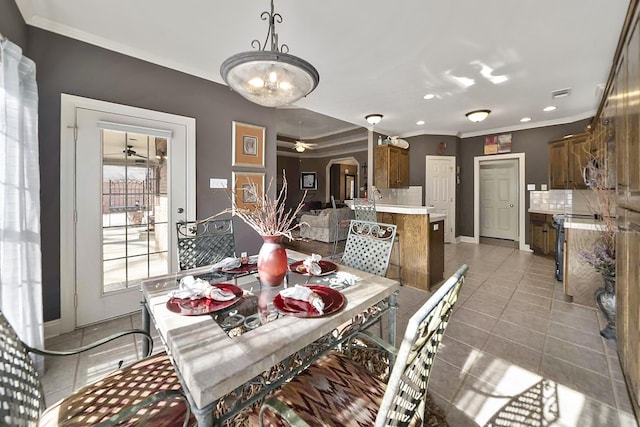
(603, 202)
(267, 217)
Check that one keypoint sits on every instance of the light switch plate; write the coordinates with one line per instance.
(436, 227)
(217, 183)
(543, 187)
(531, 187)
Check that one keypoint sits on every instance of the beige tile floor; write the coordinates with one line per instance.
(514, 354)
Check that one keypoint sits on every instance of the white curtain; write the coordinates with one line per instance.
(20, 266)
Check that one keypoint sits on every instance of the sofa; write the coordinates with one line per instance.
(322, 226)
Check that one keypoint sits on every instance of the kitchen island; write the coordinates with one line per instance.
(421, 242)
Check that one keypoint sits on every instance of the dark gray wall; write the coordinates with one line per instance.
(532, 142)
(69, 66)
(12, 25)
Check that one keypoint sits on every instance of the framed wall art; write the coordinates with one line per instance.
(242, 192)
(248, 145)
(308, 181)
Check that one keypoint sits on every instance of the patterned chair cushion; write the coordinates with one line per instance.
(334, 391)
(103, 399)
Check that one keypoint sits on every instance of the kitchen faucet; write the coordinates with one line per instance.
(376, 194)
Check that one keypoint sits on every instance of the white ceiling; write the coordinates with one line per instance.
(379, 56)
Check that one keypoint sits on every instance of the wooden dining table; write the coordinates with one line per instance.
(224, 366)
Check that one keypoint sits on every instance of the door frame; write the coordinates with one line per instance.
(452, 221)
(521, 194)
(345, 160)
(68, 106)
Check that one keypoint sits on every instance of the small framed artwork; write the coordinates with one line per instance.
(247, 188)
(308, 181)
(248, 145)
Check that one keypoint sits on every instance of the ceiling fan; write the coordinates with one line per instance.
(128, 152)
(300, 145)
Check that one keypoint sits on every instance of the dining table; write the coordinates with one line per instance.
(230, 355)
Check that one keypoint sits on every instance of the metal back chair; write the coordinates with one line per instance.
(365, 210)
(139, 393)
(204, 242)
(356, 396)
(369, 246)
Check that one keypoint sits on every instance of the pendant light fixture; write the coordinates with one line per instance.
(477, 115)
(273, 77)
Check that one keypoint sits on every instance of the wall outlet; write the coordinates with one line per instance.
(531, 187)
(217, 183)
(543, 187)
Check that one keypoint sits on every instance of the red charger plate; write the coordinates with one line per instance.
(333, 302)
(245, 268)
(195, 307)
(327, 267)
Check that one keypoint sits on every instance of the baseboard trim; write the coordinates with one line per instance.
(467, 239)
(52, 328)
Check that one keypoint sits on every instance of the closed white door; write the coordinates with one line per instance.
(499, 199)
(440, 190)
(130, 189)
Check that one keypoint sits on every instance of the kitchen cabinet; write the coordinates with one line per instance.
(567, 158)
(618, 119)
(391, 167)
(628, 299)
(542, 234)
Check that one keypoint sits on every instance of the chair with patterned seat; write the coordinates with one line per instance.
(365, 210)
(368, 247)
(337, 391)
(204, 242)
(147, 392)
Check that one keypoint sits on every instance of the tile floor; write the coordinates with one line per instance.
(514, 353)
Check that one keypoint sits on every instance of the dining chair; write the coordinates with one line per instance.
(340, 391)
(204, 242)
(147, 392)
(337, 226)
(365, 210)
(368, 247)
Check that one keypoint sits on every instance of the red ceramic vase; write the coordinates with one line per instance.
(272, 261)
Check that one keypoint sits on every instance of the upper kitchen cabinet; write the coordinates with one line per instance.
(391, 167)
(567, 158)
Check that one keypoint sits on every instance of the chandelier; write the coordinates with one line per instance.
(271, 78)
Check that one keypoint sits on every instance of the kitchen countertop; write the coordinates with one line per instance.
(583, 224)
(401, 209)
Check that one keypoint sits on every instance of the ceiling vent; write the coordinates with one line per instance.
(561, 93)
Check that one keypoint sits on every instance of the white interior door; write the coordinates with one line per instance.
(499, 199)
(129, 192)
(440, 190)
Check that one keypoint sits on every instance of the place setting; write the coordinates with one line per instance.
(313, 266)
(196, 296)
(232, 265)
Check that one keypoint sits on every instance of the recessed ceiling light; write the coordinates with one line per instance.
(429, 96)
(420, 122)
(549, 108)
(525, 119)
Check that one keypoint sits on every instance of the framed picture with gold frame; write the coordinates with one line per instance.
(242, 182)
(248, 145)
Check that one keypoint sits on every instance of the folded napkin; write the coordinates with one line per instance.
(312, 264)
(304, 294)
(343, 279)
(191, 288)
(227, 263)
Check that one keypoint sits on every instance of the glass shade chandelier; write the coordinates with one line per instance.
(271, 78)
